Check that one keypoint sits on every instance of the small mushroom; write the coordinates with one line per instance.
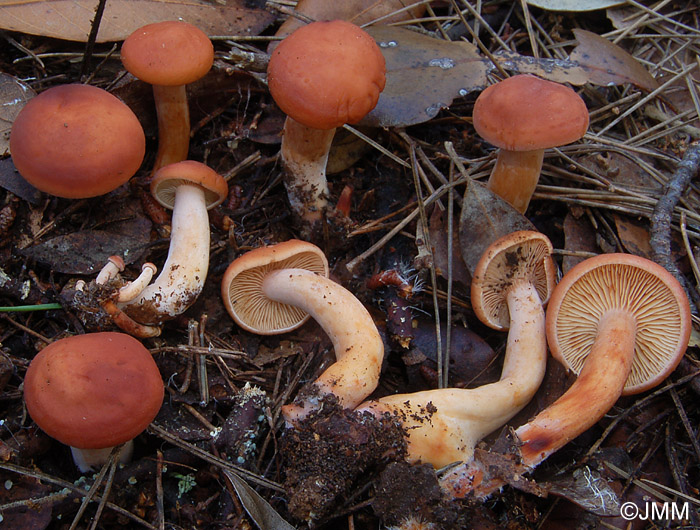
(512, 281)
(76, 141)
(169, 55)
(93, 392)
(275, 289)
(322, 75)
(190, 189)
(622, 323)
(524, 115)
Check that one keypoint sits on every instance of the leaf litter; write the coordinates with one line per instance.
(598, 195)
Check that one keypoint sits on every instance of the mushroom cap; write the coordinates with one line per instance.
(621, 281)
(168, 178)
(519, 256)
(326, 74)
(241, 286)
(169, 53)
(77, 141)
(526, 113)
(93, 391)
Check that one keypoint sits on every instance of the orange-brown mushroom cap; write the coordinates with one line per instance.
(525, 255)
(168, 53)
(326, 74)
(241, 286)
(526, 113)
(77, 141)
(168, 178)
(621, 281)
(93, 391)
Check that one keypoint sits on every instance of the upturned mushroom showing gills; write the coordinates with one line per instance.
(77, 141)
(169, 55)
(323, 75)
(522, 116)
(275, 289)
(93, 392)
(622, 323)
(190, 189)
(512, 281)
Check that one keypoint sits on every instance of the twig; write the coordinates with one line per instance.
(90, 45)
(660, 239)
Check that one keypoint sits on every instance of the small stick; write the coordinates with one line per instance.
(660, 239)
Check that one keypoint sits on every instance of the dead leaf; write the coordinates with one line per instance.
(485, 217)
(634, 236)
(72, 19)
(259, 510)
(423, 75)
(13, 182)
(607, 63)
(13, 96)
(588, 489)
(347, 149)
(574, 5)
(557, 70)
(438, 238)
(623, 170)
(356, 11)
(579, 236)
(86, 251)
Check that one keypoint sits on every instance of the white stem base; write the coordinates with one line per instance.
(182, 277)
(305, 155)
(88, 460)
(445, 425)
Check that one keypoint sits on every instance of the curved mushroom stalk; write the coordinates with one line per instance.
(182, 277)
(305, 155)
(595, 391)
(358, 346)
(443, 426)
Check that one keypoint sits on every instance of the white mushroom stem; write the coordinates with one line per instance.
(444, 425)
(305, 155)
(515, 175)
(132, 289)
(173, 124)
(182, 277)
(359, 350)
(87, 460)
(595, 391)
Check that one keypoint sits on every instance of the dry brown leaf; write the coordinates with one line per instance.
(557, 70)
(579, 236)
(607, 63)
(356, 11)
(72, 19)
(485, 217)
(634, 236)
(423, 75)
(13, 95)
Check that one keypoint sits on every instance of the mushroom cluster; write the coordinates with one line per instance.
(512, 282)
(190, 189)
(619, 321)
